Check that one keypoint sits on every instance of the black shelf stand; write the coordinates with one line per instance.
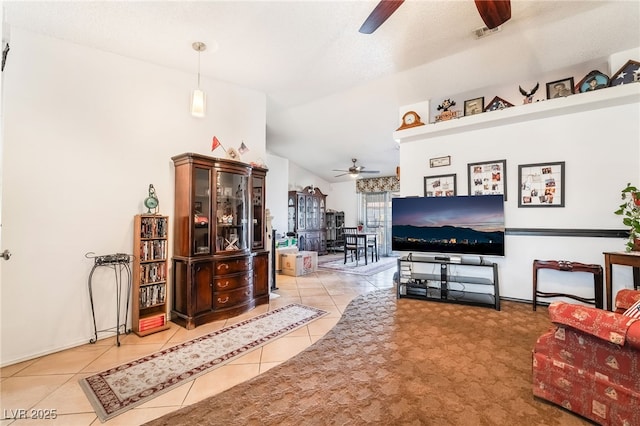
(444, 284)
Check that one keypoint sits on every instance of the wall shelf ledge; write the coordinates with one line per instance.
(579, 102)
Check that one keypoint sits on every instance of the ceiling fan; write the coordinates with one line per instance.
(354, 170)
(493, 12)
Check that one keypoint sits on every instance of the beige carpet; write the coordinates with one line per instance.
(398, 362)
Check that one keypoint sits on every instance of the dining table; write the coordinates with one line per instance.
(366, 238)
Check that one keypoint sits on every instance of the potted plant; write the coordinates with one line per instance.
(630, 212)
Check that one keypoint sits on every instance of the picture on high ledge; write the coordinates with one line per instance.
(628, 73)
(593, 81)
(560, 88)
(474, 106)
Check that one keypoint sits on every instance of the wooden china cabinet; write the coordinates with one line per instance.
(306, 215)
(216, 274)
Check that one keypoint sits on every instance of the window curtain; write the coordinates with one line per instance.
(378, 184)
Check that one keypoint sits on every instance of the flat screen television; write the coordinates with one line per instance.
(471, 225)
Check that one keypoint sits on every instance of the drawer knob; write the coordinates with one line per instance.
(226, 299)
(226, 283)
(223, 266)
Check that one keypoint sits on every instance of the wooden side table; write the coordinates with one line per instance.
(568, 266)
(620, 258)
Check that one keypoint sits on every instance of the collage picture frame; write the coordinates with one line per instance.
(541, 184)
(440, 186)
(488, 178)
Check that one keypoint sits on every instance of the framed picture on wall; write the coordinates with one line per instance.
(488, 178)
(440, 186)
(541, 184)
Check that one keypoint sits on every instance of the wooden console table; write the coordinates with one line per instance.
(568, 266)
(620, 258)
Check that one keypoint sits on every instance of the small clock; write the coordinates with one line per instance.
(151, 202)
(410, 119)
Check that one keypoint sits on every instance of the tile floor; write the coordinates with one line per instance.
(51, 382)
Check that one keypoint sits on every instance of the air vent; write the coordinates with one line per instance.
(484, 31)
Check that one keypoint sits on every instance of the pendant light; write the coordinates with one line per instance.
(198, 97)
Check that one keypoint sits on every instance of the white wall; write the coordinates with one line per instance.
(601, 150)
(277, 184)
(345, 199)
(85, 133)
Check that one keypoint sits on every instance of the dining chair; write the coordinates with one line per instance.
(351, 247)
(352, 244)
(372, 247)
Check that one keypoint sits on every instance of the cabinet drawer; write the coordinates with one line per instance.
(232, 265)
(226, 299)
(231, 282)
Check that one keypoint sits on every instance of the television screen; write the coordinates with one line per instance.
(460, 225)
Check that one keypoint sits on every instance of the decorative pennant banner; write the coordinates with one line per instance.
(216, 143)
(243, 148)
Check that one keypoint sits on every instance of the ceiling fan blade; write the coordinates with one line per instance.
(494, 12)
(339, 170)
(343, 174)
(382, 11)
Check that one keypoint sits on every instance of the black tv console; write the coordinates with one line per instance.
(469, 282)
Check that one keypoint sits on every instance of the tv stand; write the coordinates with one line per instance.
(444, 279)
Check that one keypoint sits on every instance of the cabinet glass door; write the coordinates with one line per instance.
(302, 212)
(291, 225)
(232, 214)
(312, 212)
(201, 211)
(257, 200)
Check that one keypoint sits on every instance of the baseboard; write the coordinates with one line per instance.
(51, 351)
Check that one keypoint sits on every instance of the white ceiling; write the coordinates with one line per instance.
(333, 93)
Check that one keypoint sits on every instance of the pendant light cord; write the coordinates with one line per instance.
(199, 47)
(199, 52)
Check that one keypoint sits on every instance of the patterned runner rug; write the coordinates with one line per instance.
(121, 388)
(350, 267)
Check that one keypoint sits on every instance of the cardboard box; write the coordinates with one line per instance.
(280, 252)
(301, 263)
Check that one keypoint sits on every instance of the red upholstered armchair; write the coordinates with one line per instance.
(589, 363)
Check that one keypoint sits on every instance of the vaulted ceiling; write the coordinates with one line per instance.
(333, 93)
